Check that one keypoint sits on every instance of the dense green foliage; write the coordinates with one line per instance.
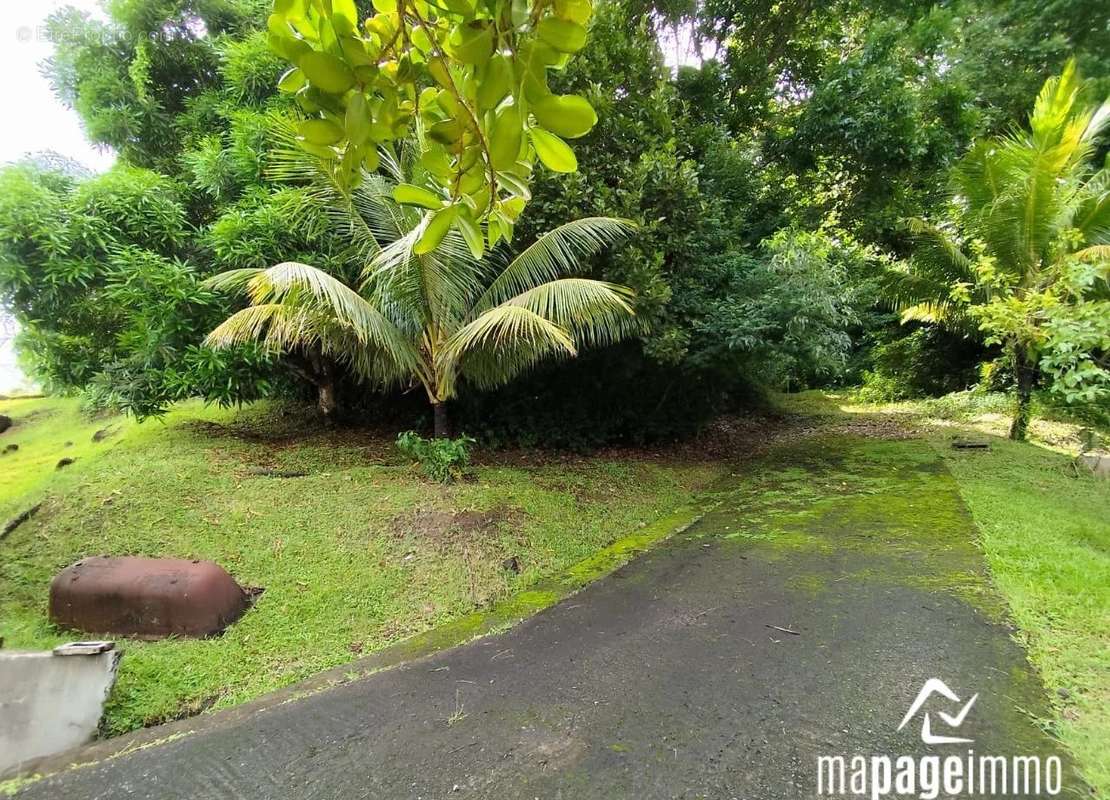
(413, 316)
(97, 274)
(469, 79)
(771, 182)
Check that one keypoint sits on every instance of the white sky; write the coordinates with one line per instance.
(43, 123)
(36, 121)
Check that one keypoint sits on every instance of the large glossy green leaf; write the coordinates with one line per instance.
(473, 43)
(472, 234)
(320, 131)
(357, 121)
(495, 82)
(553, 151)
(409, 195)
(505, 137)
(566, 115)
(563, 35)
(327, 72)
(291, 81)
(355, 52)
(288, 45)
(439, 222)
(578, 11)
(344, 16)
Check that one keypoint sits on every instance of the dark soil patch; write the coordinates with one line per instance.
(735, 438)
(452, 529)
(270, 472)
(728, 438)
(34, 416)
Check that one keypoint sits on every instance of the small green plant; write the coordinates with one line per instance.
(440, 459)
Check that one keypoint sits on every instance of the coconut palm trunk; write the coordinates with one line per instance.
(441, 420)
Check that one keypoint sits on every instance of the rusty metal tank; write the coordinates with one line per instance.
(148, 598)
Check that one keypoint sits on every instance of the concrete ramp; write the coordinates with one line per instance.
(52, 701)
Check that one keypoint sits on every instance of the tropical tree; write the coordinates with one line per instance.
(473, 75)
(1027, 254)
(430, 318)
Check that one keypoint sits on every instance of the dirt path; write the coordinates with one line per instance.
(797, 620)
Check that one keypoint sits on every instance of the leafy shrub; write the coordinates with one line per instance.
(879, 387)
(787, 314)
(440, 460)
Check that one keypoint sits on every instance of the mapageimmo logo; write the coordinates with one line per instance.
(966, 774)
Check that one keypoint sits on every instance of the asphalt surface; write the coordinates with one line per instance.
(719, 665)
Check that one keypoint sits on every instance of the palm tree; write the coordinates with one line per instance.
(428, 319)
(1025, 205)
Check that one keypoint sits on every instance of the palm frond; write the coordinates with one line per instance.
(499, 345)
(437, 286)
(283, 328)
(946, 254)
(950, 315)
(352, 213)
(1092, 217)
(1096, 252)
(1054, 104)
(556, 253)
(593, 312)
(269, 324)
(234, 280)
(314, 290)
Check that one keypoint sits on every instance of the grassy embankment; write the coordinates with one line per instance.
(357, 553)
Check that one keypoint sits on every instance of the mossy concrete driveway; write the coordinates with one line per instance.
(798, 619)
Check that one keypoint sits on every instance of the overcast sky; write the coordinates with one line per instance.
(36, 120)
(41, 122)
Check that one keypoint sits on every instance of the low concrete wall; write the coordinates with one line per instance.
(50, 702)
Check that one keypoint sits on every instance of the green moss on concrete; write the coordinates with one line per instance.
(863, 502)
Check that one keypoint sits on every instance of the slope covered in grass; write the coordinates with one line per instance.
(355, 553)
(45, 431)
(1045, 529)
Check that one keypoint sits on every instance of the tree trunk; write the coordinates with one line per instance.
(1024, 376)
(325, 398)
(442, 426)
(320, 372)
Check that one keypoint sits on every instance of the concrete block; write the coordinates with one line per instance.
(1097, 463)
(52, 701)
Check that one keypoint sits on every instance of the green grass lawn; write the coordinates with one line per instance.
(1046, 534)
(1045, 529)
(46, 430)
(358, 553)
